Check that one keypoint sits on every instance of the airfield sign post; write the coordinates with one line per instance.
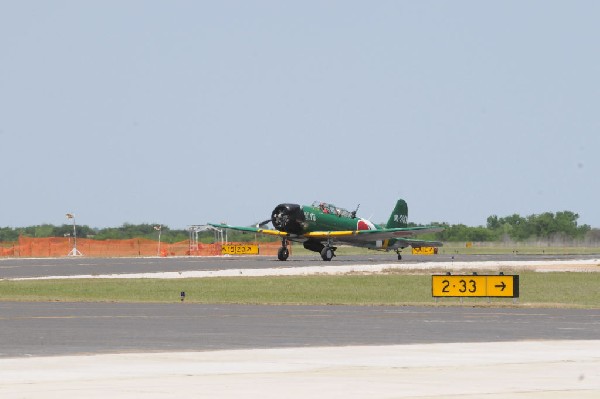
(460, 286)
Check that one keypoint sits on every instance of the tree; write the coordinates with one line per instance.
(8, 234)
(493, 223)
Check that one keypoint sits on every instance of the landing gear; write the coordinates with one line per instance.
(283, 253)
(327, 253)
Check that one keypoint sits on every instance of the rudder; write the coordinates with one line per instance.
(399, 216)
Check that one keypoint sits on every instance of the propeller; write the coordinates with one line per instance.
(263, 223)
(288, 218)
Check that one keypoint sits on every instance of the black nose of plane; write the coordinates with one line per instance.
(288, 218)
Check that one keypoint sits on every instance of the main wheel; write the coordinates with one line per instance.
(327, 254)
(283, 253)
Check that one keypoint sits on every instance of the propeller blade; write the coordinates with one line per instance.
(263, 223)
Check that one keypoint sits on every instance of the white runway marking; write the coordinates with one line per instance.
(588, 265)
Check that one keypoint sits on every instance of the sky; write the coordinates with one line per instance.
(188, 112)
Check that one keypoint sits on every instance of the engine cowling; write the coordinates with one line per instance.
(288, 218)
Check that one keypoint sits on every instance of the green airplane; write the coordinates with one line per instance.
(321, 225)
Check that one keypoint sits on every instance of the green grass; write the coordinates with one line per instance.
(537, 289)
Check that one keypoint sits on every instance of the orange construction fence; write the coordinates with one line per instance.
(28, 247)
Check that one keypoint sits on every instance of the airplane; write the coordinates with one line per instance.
(321, 225)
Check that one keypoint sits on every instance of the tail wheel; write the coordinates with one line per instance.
(327, 254)
(283, 253)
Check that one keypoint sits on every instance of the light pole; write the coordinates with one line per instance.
(159, 229)
(74, 251)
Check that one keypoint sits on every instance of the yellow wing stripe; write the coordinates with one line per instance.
(272, 232)
(327, 234)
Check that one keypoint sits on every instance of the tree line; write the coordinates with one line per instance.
(126, 231)
(545, 226)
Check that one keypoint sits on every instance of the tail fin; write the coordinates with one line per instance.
(399, 217)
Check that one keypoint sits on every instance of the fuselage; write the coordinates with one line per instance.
(332, 219)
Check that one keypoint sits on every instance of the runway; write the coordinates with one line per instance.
(13, 268)
(162, 350)
(54, 329)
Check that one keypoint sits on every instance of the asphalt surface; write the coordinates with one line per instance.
(120, 350)
(43, 329)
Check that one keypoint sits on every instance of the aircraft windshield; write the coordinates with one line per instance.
(332, 209)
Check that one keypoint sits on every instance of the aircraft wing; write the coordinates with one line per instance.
(252, 230)
(399, 232)
(402, 234)
(350, 236)
(421, 243)
(316, 234)
(398, 235)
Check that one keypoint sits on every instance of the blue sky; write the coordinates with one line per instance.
(185, 112)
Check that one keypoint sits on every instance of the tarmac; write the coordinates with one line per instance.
(540, 369)
(575, 265)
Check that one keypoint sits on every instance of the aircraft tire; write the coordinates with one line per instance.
(283, 253)
(327, 254)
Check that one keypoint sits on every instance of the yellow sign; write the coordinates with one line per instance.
(499, 286)
(424, 251)
(475, 286)
(239, 249)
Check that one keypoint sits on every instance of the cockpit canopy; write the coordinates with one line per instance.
(334, 210)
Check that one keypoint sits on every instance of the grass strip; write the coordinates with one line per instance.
(537, 289)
